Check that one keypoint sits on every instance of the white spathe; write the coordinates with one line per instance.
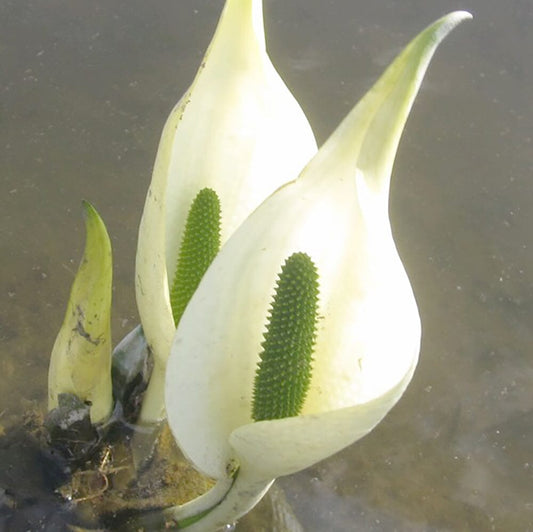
(237, 130)
(368, 330)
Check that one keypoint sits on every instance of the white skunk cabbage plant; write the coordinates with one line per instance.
(234, 137)
(303, 332)
(80, 363)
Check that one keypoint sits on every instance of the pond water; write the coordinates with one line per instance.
(85, 88)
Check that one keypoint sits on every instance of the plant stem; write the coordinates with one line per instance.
(244, 493)
(227, 501)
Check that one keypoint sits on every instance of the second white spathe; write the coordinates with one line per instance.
(368, 329)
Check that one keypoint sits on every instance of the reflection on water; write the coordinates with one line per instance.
(84, 91)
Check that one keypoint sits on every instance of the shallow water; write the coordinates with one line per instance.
(85, 88)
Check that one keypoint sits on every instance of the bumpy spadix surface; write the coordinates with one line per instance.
(368, 331)
(200, 244)
(283, 375)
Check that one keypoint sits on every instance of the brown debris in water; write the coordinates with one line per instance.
(110, 484)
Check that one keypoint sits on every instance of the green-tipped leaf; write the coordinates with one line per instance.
(81, 357)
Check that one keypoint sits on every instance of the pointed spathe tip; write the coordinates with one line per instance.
(448, 22)
(459, 16)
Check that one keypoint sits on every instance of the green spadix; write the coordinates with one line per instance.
(284, 372)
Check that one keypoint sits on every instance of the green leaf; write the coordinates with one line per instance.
(81, 357)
